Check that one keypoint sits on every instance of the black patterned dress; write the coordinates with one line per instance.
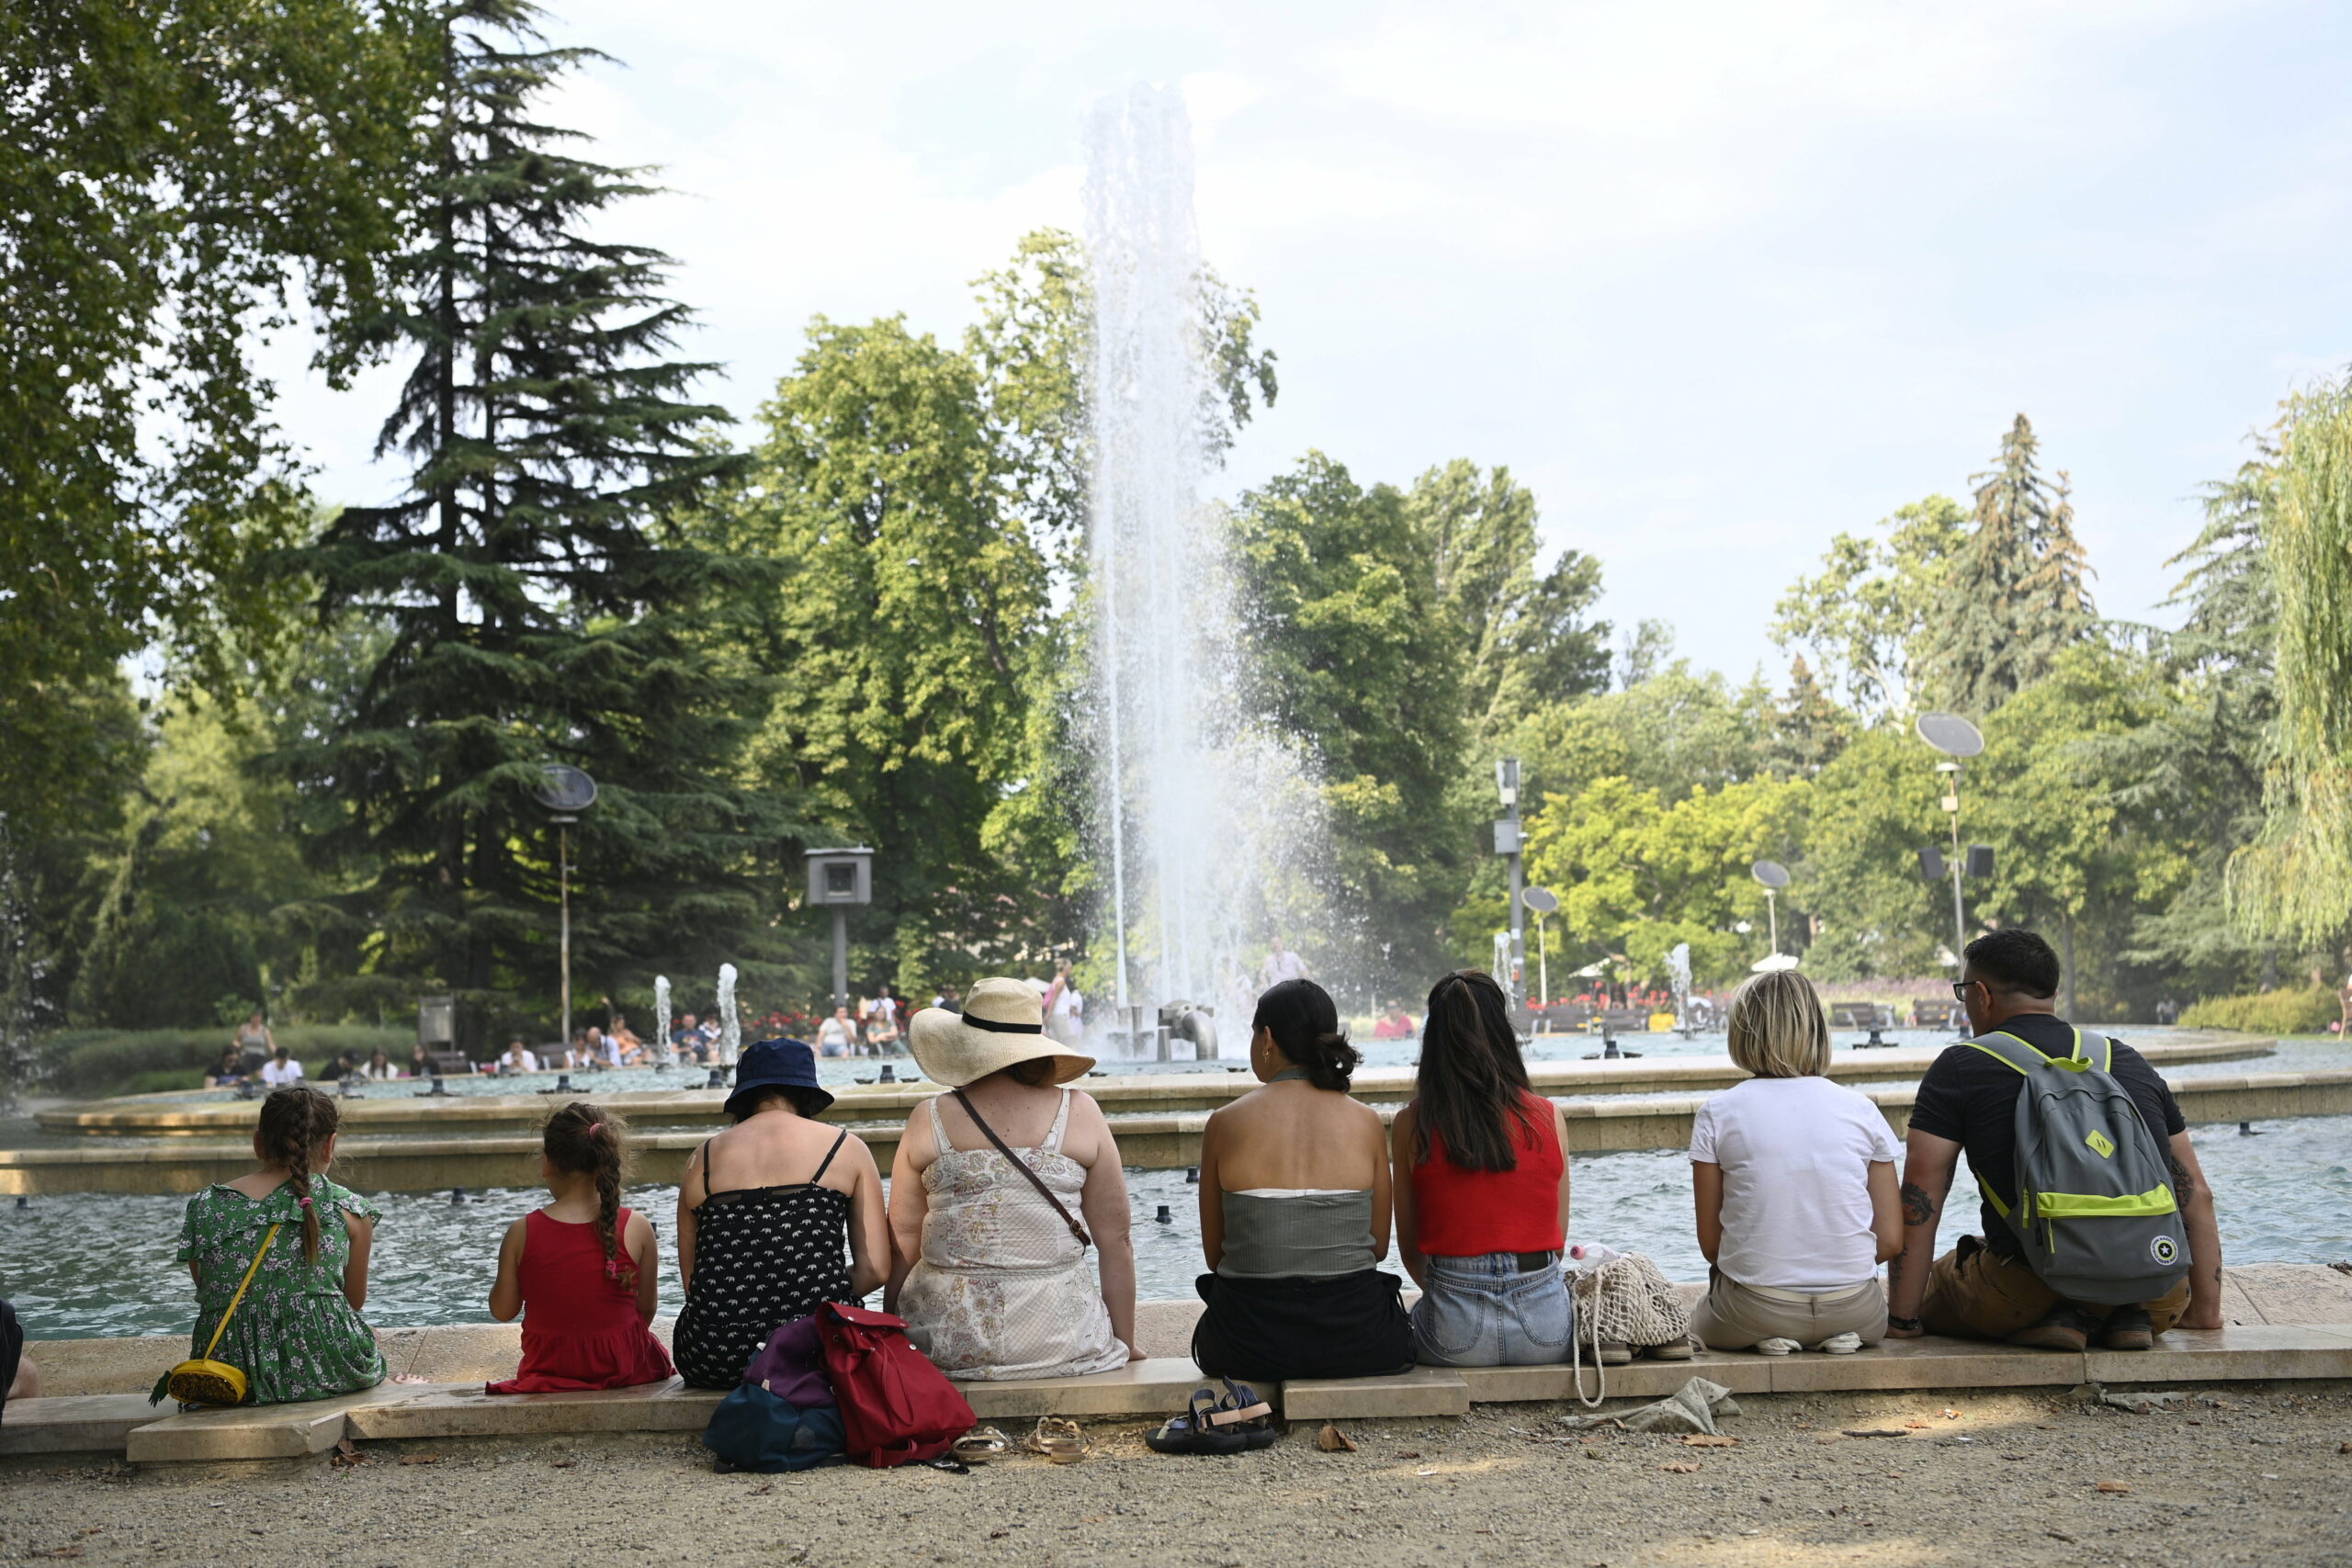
(764, 1255)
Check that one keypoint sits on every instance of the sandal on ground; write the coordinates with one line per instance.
(1779, 1345)
(1613, 1352)
(1197, 1432)
(1058, 1441)
(1244, 1414)
(1672, 1351)
(980, 1444)
(1841, 1344)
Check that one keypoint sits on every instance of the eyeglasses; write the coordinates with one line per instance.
(1960, 990)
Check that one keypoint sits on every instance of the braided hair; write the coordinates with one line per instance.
(296, 1122)
(591, 1141)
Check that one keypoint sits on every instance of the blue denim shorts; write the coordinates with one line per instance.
(1483, 1311)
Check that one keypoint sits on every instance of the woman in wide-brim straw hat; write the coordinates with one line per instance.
(992, 1271)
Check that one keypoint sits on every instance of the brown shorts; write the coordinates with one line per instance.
(1973, 1293)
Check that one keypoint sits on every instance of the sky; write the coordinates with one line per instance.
(1715, 280)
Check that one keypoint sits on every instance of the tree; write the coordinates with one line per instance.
(168, 174)
(1338, 611)
(1874, 806)
(533, 608)
(2294, 881)
(1638, 875)
(1530, 639)
(2013, 595)
(903, 633)
(1809, 730)
(1866, 618)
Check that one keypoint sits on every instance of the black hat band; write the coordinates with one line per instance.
(995, 1028)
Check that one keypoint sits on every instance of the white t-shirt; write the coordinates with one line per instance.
(528, 1064)
(833, 1031)
(273, 1074)
(1284, 965)
(1796, 1155)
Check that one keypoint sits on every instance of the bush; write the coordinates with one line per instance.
(2306, 1010)
(107, 1061)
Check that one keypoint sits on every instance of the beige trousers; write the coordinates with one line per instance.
(1731, 1316)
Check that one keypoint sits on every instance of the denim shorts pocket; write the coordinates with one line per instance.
(1542, 1311)
(1452, 1321)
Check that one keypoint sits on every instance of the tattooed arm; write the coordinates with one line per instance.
(2204, 1237)
(1928, 1163)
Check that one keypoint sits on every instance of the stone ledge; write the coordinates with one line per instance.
(68, 1424)
(1424, 1391)
(1159, 1387)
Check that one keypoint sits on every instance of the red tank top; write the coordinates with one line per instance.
(580, 1325)
(1468, 1214)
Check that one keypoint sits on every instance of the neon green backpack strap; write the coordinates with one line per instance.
(2008, 1050)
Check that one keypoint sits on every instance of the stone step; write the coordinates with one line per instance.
(1159, 1387)
(74, 1423)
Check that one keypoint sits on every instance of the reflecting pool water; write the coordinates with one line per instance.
(92, 1263)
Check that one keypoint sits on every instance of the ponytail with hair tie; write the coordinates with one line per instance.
(1305, 1024)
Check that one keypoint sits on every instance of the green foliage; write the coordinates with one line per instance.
(903, 631)
(1338, 610)
(533, 609)
(2305, 1011)
(1871, 809)
(168, 171)
(2294, 881)
(92, 1061)
(1866, 618)
(1529, 640)
(1637, 874)
(2013, 597)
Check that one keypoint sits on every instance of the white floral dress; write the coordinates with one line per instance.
(1003, 1289)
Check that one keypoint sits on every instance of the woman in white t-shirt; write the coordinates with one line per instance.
(1793, 1179)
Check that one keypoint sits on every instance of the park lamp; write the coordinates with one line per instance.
(837, 879)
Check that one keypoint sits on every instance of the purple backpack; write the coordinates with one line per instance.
(791, 1365)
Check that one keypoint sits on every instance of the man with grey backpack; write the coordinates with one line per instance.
(2098, 1226)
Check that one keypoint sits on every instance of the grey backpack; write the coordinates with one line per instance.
(2096, 1212)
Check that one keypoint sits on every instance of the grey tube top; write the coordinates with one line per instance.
(1312, 1236)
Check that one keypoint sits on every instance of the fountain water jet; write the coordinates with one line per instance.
(1207, 821)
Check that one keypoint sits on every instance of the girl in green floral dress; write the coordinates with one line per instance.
(298, 1334)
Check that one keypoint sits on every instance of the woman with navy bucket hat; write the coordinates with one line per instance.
(776, 1215)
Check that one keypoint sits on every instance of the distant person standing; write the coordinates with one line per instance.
(1282, 964)
(1066, 1010)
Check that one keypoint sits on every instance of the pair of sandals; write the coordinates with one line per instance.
(1230, 1423)
(1057, 1439)
(1616, 1352)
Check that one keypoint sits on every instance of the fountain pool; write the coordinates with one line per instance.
(84, 1265)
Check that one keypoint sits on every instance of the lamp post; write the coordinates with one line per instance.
(1958, 740)
(1774, 877)
(1543, 901)
(566, 791)
(1508, 841)
(837, 879)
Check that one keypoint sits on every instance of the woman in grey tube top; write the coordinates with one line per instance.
(1295, 1211)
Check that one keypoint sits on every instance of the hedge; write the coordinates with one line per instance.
(110, 1061)
(2305, 1010)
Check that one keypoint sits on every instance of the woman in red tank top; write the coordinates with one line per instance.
(583, 1266)
(1481, 1185)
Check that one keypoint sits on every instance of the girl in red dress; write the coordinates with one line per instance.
(584, 1265)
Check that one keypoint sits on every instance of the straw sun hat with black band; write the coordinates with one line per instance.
(1003, 1022)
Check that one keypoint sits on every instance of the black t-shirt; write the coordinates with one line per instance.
(1971, 1098)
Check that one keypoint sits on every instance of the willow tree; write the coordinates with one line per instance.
(2294, 882)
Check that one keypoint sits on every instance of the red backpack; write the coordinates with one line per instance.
(897, 1408)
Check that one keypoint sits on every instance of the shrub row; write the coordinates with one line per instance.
(2307, 1009)
(107, 1061)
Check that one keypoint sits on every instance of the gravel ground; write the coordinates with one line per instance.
(2257, 1474)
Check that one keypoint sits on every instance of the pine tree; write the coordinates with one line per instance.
(533, 611)
(2014, 596)
(1808, 730)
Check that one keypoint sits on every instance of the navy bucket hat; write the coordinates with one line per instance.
(779, 1064)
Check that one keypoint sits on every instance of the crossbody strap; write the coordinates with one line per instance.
(1023, 1166)
(251, 1270)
